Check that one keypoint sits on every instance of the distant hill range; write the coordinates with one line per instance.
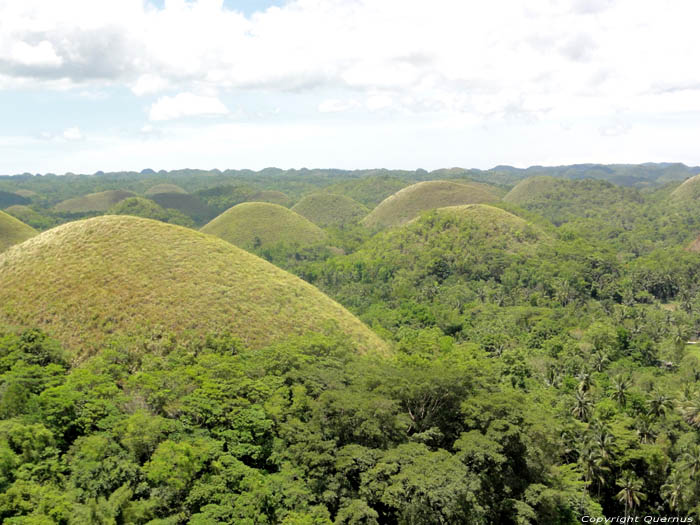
(637, 175)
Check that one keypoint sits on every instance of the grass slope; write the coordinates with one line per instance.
(13, 231)
(688, 191)
(409, 202)
(272, 196)
(370, 190)
(86, 280)
(164, 188)
(8, 198)
(327, 209)
(101, 201)
(261, 224)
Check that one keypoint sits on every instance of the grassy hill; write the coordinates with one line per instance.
(164, 188)
(147, 209)
(190, 205)
(13, 231)
(688, 191)
(261, 224)
(409, 202)
(8, 198)
(101, 201)
(117, 275)
(327, 209)
(274, 197)
(31, 217)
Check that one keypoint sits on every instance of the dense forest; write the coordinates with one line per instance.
(540, 365)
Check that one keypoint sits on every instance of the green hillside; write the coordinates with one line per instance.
(190, 205)
(327, 209)
(31, 217)
(147, 209)
(368, 190)
(688, 191)
(101, 201)
(164, 188)
(261, 224)
(8, 199)
(409, 202)
(13, 231)
(271, 196)
(85, 280)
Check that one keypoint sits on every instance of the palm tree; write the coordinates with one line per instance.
(672, 490)
(594, 469)
(630, 491)
(585, 381)
(583, 406)
(645, 430)
(690, 410)
(691, 461)
(603, 439)
(620, 387)
(600, 360)
(659, 404)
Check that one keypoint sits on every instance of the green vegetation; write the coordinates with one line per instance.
(327, 209)
(117, 275)
(147, 209)
(101, 201)
(410, 202)
(369, 190)
(13, 231)
(538, 359)
(31, 217)
(164, 188)
(254, 225)
(271, 196)
(8, 199)
(688, 191)
(189, 205)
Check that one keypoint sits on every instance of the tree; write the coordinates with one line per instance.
(630, 492)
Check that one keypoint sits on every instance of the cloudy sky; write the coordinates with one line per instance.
(89, 85)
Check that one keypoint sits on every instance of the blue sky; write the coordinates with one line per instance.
(89, 85)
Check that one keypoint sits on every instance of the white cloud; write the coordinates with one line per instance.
(73, 134)
(149, 84)
(186, 105)
(41, 54)
(333, 105)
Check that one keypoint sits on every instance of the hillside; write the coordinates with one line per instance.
(85, 280)
(8, 199)
(190, 205)
(409, 202)
(164, 188)
(271, 196)
(261, 224)
(688, 191)
(562, 200)
(327, 209)
(147, 209)
(101, 201)
(13, 231)
(368, 190)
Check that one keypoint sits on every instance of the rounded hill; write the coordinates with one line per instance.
(409, 202)
(87, 281)
(272, 196)
(101, 201)
(190, 205)
(261, 224)
(533, 189)
(164, 188)
(327, 209)
(688, 191)
(13, 231)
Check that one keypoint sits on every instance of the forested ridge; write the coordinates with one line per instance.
(543, 367)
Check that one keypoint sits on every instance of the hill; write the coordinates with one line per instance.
(274, 197)
(13, 231)
(190, 205)
(8, 198)
(31, 217)
(688, 191)
(368, 190)
(261, 224)
(86, 280)
(164, 188)
(563, 200)
(101, 201)
(409, 202)
(147, 209)
(327, 209)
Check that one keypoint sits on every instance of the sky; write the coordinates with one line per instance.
(111, 85)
